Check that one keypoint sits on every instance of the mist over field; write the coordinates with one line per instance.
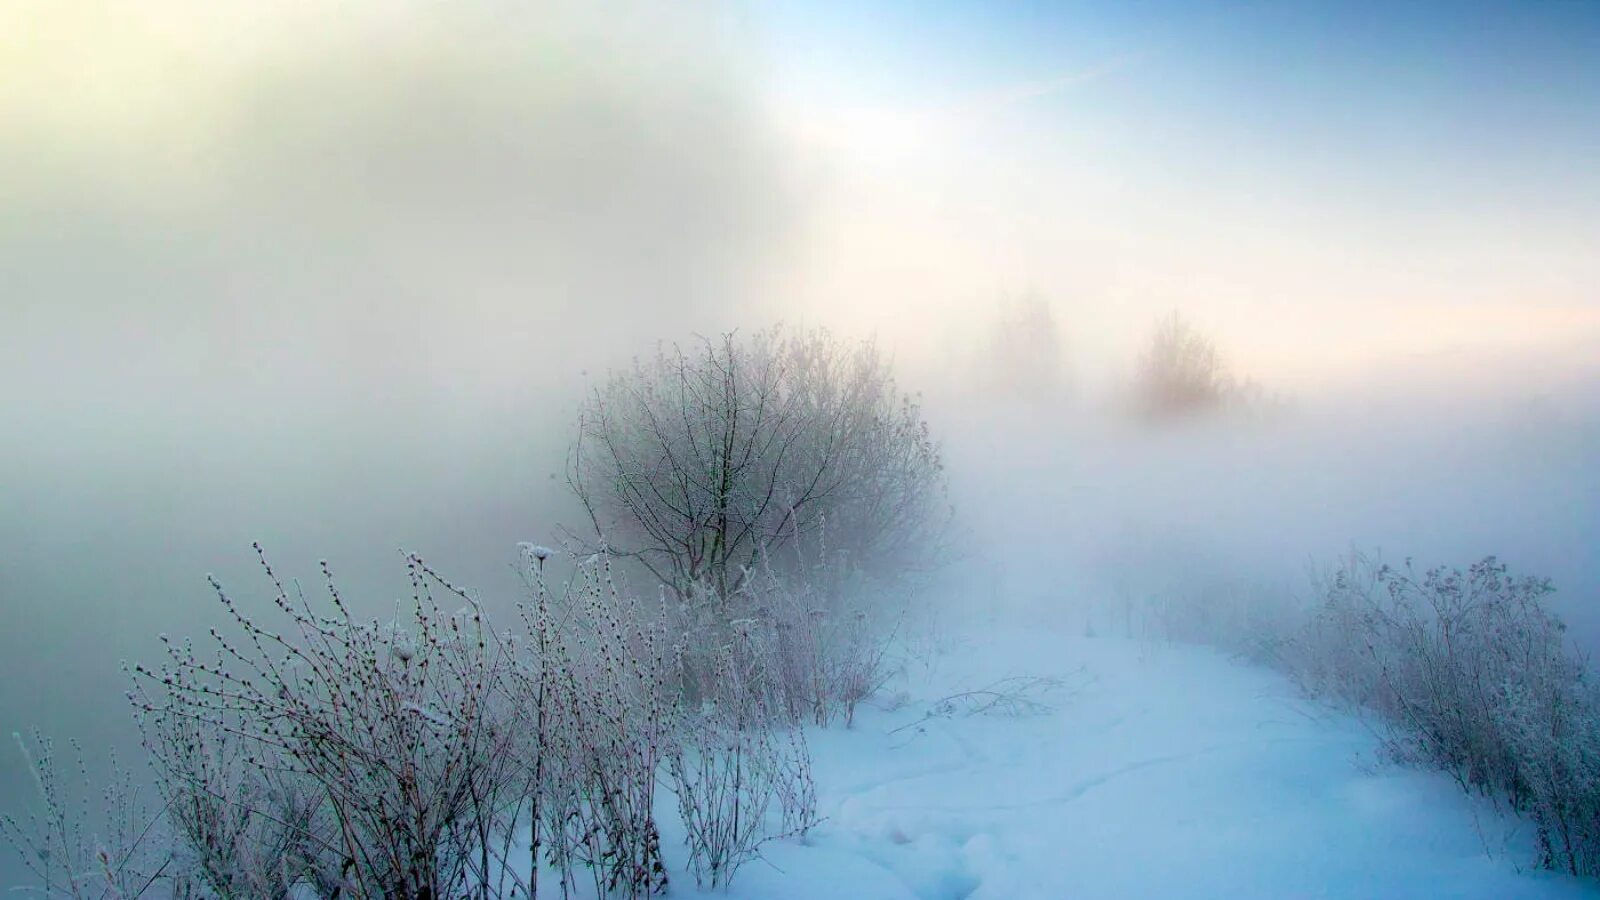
(340, 277)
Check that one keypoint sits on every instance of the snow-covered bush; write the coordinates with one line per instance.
(1470, 673)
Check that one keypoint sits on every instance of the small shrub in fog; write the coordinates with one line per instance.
(1025, 355)
(1245, 618)
(1182, 375)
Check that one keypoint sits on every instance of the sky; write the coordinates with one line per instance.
(1325, 185)
(334, 274)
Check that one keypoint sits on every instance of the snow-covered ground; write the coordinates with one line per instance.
(1161, 771)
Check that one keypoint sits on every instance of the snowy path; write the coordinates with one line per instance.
(1173, 773)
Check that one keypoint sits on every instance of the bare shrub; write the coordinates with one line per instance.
(411, 758)
(1249, 619)
(697, 463)
(539, 685)
(827, 650)
(1181, 372)
(79, 851)
(237, 830)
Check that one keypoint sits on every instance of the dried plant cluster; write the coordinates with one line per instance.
(739, 755)
(119, 858)
(429, 755)
(1469, 673)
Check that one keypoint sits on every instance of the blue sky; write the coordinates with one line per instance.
(1400, 90)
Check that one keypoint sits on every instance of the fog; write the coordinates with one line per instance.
(334, 276)
(1079, 513)
(331, 280)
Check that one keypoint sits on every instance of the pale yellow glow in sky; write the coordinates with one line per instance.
(912, 220)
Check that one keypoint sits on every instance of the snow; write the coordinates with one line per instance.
(1162, 771)
(538, 552)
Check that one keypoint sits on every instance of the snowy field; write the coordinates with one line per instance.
(1160, 771)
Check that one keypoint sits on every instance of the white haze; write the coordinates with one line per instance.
(1077, 513)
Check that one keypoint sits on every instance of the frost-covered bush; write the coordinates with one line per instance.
(614, 675)
(820, 646)
(1470, 673)
(396, 728)
(409, 758)
(75, 848)
(828, 650)
(734, 759)
(1553, 730)
(613, 709)
(698, 463)
(429, 756)
(236, 829)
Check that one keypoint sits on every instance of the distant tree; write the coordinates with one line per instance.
(1181, 373)
(1025, 356)
(701, 463)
